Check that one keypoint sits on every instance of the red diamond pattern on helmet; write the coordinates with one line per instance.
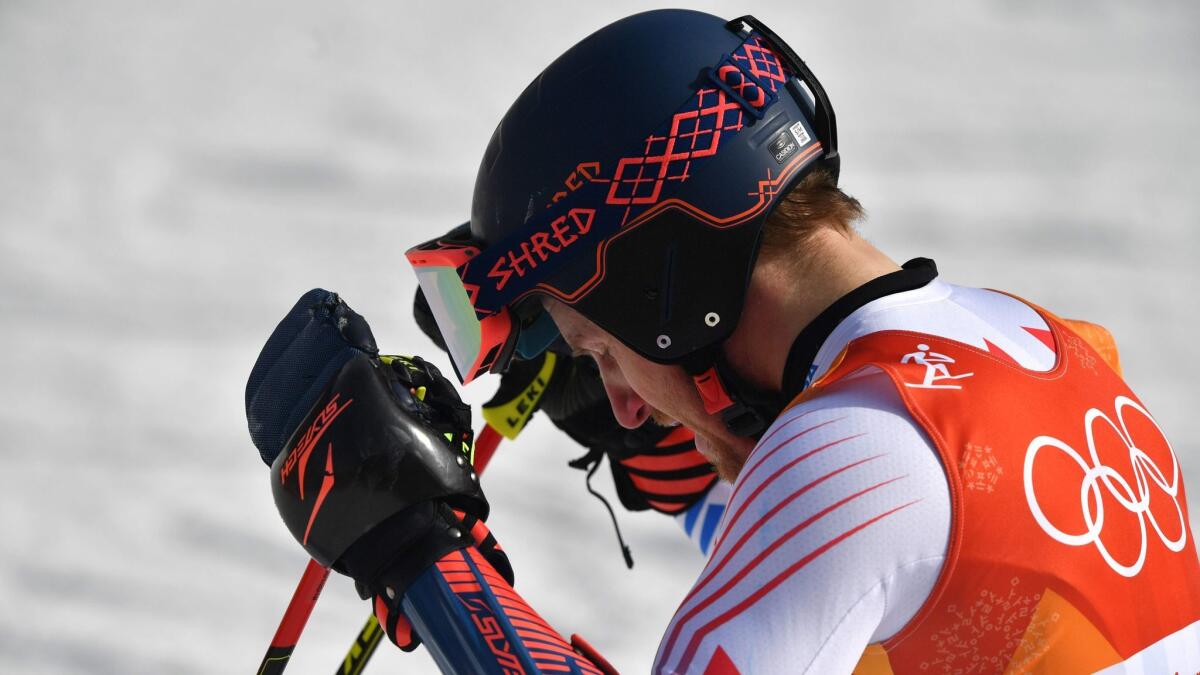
(695, 133)
(763, 63)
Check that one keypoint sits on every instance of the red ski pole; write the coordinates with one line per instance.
(292, 624)
(485, 447)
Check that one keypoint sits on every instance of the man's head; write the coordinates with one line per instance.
(640, 390)
(630, 183)
(814, 218)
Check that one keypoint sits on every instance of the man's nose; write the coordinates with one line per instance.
(629, 408)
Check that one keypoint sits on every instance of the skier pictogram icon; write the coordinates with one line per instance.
(935, 369)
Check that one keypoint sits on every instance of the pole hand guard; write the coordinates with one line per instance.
(377, 454)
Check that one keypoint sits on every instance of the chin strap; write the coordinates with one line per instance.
(746, 410)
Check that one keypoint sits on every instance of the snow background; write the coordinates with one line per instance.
(174, 175)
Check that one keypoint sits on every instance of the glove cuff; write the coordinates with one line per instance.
(391, 556)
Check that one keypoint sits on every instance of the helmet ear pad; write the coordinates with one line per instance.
(679, 287)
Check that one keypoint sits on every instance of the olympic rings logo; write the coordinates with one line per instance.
(1134, 498)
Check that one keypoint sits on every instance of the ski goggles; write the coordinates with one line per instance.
(479, 293)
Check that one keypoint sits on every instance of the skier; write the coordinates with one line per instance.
(663, 199)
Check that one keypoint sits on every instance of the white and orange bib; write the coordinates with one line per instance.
(1070, 548)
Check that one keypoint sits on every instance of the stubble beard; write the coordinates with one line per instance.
(720, 454)
(726, 461)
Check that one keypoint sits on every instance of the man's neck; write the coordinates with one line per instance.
(786, 295)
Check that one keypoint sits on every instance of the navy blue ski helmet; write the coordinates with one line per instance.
(630, 180)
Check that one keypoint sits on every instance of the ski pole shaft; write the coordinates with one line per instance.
(364, 646)
(485, 447)
(292, 624)
(368, 638)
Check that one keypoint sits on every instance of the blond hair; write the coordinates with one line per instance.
(816, 202)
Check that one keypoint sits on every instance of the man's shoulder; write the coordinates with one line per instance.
(863, 407)
(842, 495)
(857, 435)
(987, 319)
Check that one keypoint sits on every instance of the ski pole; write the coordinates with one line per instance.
(485, 447)
(363, 647)
(292, 624)
(369, 637)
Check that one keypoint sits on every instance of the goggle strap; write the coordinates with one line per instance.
(826, 122)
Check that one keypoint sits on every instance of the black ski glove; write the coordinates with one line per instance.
(369, 455)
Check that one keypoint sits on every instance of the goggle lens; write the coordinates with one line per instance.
(455, 316)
